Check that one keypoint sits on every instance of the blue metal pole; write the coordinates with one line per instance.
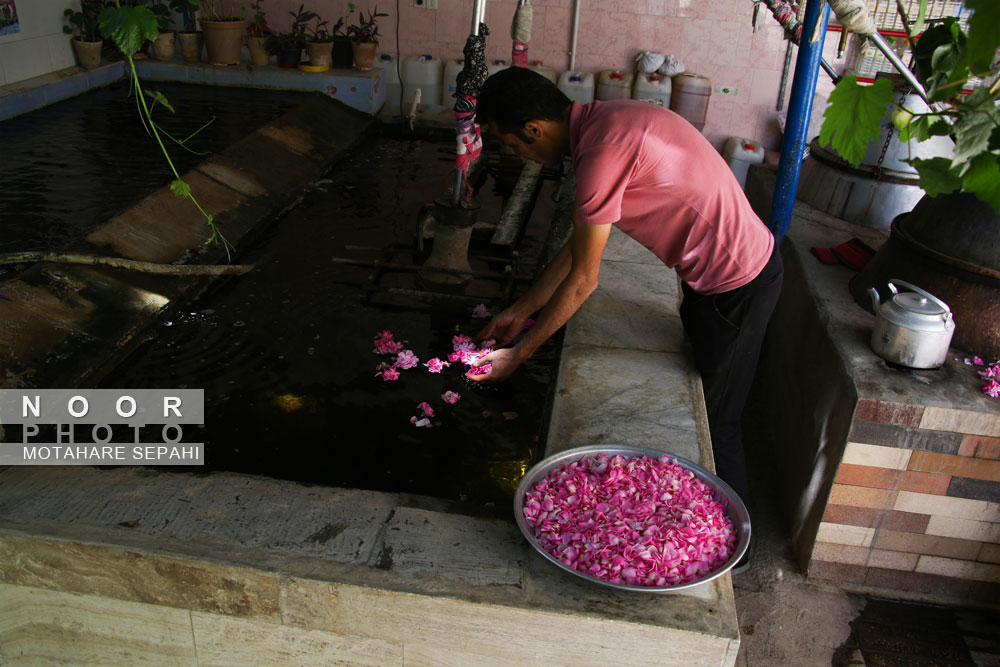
(799, 112)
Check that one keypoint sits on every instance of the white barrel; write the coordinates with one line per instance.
(578, 86)
(451, 70)
(497, 65)
(547, 72)
(424, 72)
(393, 87)
(614, 85)
(740, 154)
(653, 88)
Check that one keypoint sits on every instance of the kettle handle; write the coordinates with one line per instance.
(928, 295)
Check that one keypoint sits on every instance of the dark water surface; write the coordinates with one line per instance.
(285, 356)
(71, 166)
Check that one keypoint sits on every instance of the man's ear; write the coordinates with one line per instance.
(533, 129)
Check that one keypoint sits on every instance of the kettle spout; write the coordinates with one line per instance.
(876, 301)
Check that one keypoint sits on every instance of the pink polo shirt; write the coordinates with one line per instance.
(649, 171)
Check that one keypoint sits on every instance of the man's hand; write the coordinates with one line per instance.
(504, 363)
(504, 327)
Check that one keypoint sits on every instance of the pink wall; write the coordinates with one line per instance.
(711, 37)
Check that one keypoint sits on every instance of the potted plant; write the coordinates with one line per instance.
(223, 31)
(189, 38)
(287, 46)
(258, 34)
(950, 243)
(343, 52)
(85, 28)
(364, 39)
(319, 44)
(163, 45)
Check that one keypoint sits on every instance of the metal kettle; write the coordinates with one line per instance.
(913, 328)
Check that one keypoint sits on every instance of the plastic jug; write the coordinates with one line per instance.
(547, 72)
(578, 86)
(451, 70)
(393, 87)
(423, 72)
(653, 88)
(614, 85)
(690, 97)
(740, 154)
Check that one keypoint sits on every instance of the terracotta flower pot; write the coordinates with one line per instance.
(258, 50)
(223, 40)
(320, 53)
(190, 46)
(88, 53)
(163, 46)
(364, 56)
(289, 57)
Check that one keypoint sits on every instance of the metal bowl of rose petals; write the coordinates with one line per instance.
(632, 518)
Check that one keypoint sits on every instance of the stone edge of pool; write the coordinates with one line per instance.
(378, 571)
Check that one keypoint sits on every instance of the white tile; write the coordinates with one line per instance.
(25, 59)
(948, 526)
(960, 421)
(855, 536)
(61, 53)
(961, 508)
(960, 569)
(877, 456)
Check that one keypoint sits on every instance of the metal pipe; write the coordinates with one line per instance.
(893, 58)
(576, 28)
(793, 144)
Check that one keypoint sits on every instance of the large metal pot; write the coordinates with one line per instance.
(913, 328)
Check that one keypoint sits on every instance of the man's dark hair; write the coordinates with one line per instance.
(513, 96)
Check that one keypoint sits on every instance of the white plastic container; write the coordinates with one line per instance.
(578, 86)
(497, 65)
(547, 72)
(740, 154)
(424, 72)
(614, 85)
(393, 87)
(653, 88)
(451, 70)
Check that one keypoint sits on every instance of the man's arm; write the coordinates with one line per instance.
(585, 248)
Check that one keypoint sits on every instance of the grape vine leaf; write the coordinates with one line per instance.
(984, 32)
(983, 179)
(180, 188)
(936, 175)
(853, 116)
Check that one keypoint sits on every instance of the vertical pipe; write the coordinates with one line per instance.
(576, 29)
(799, 112)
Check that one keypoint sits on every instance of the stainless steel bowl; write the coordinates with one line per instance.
(735, 509)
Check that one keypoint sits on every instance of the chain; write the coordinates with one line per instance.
(888, 138)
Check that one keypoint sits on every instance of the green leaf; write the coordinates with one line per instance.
(994, 144)
(918, 27)
(160, 98)
(917, 129)
(853, 117)
(939, 128)
(129, 27)
(936, 175)
(928, 44)
(972, 135)
(984, 32)
(983, 179)
(180, 188)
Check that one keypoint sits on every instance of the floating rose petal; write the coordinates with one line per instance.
(489, 343)
(450, 397)
(456, 356)
(420, 423)
(462, 342)
(481, 311)
(435, 365)
(487, 414)
(427, 409)
(992, 389)
(406, 359)
(388, 374)
(977, 361)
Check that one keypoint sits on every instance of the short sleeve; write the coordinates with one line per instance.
(602, 174)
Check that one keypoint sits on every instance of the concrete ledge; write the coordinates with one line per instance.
(40, 91)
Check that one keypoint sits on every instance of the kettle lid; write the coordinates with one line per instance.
(918, 304)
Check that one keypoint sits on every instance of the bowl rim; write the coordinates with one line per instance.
(735, 508)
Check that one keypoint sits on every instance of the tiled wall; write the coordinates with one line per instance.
(40, 47)
(915, 504)
(711, 37)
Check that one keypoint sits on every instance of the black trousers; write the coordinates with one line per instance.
(726, 331)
